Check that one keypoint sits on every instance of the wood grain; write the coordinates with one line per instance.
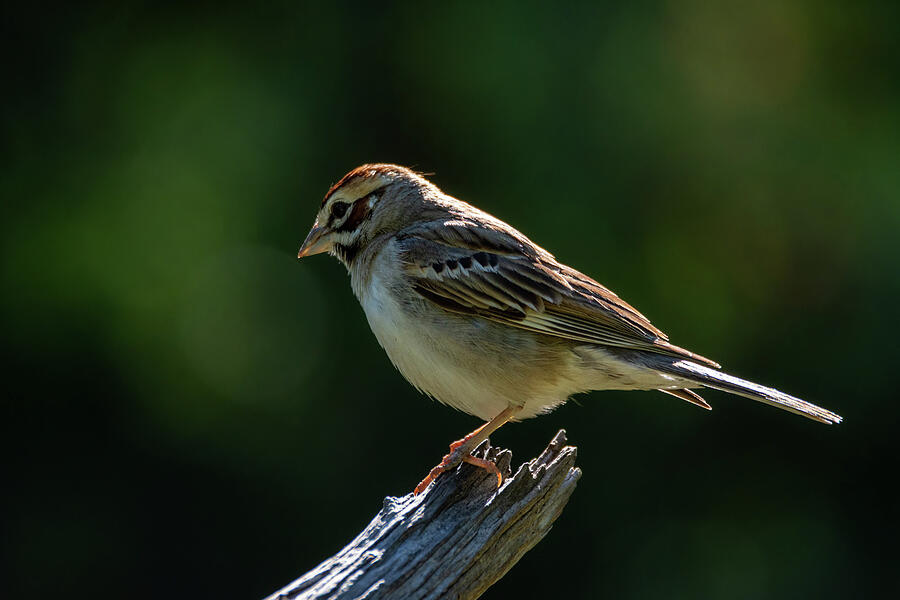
(455, 539)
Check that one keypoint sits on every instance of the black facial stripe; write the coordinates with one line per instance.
(353, 219)
(359, 212)
(347, 253)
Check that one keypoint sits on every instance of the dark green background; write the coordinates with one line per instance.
(190, 412)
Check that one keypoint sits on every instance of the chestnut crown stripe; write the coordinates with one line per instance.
(363, 172)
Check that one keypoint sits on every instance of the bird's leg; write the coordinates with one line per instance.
(461, 450)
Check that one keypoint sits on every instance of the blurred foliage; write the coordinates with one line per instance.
(189, 411)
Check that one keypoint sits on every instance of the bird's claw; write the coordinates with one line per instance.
(454, 458)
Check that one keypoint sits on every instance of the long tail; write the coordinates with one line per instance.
(712, 378)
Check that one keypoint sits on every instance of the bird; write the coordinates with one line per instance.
(477, 316)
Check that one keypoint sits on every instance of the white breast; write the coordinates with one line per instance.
(426, 350)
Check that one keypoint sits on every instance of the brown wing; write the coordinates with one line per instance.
(495, 272)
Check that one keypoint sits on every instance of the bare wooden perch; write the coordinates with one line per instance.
(455, 539)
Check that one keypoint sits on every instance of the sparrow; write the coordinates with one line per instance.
(477, 316)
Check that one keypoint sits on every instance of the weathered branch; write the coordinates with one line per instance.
(455, 539)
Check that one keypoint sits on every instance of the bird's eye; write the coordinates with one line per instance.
(338, 209)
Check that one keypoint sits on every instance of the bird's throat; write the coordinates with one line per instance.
(347, 253)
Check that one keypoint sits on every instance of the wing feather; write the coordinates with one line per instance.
(492, 271)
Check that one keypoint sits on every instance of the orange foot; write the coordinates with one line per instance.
(453, 459)
(461, 450)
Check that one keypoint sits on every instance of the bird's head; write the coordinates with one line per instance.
(368, 201)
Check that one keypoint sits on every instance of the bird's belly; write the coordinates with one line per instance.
(469, 363)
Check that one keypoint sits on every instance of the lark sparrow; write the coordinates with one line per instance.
(478, 316)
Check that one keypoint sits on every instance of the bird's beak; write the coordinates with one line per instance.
(315, 242)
